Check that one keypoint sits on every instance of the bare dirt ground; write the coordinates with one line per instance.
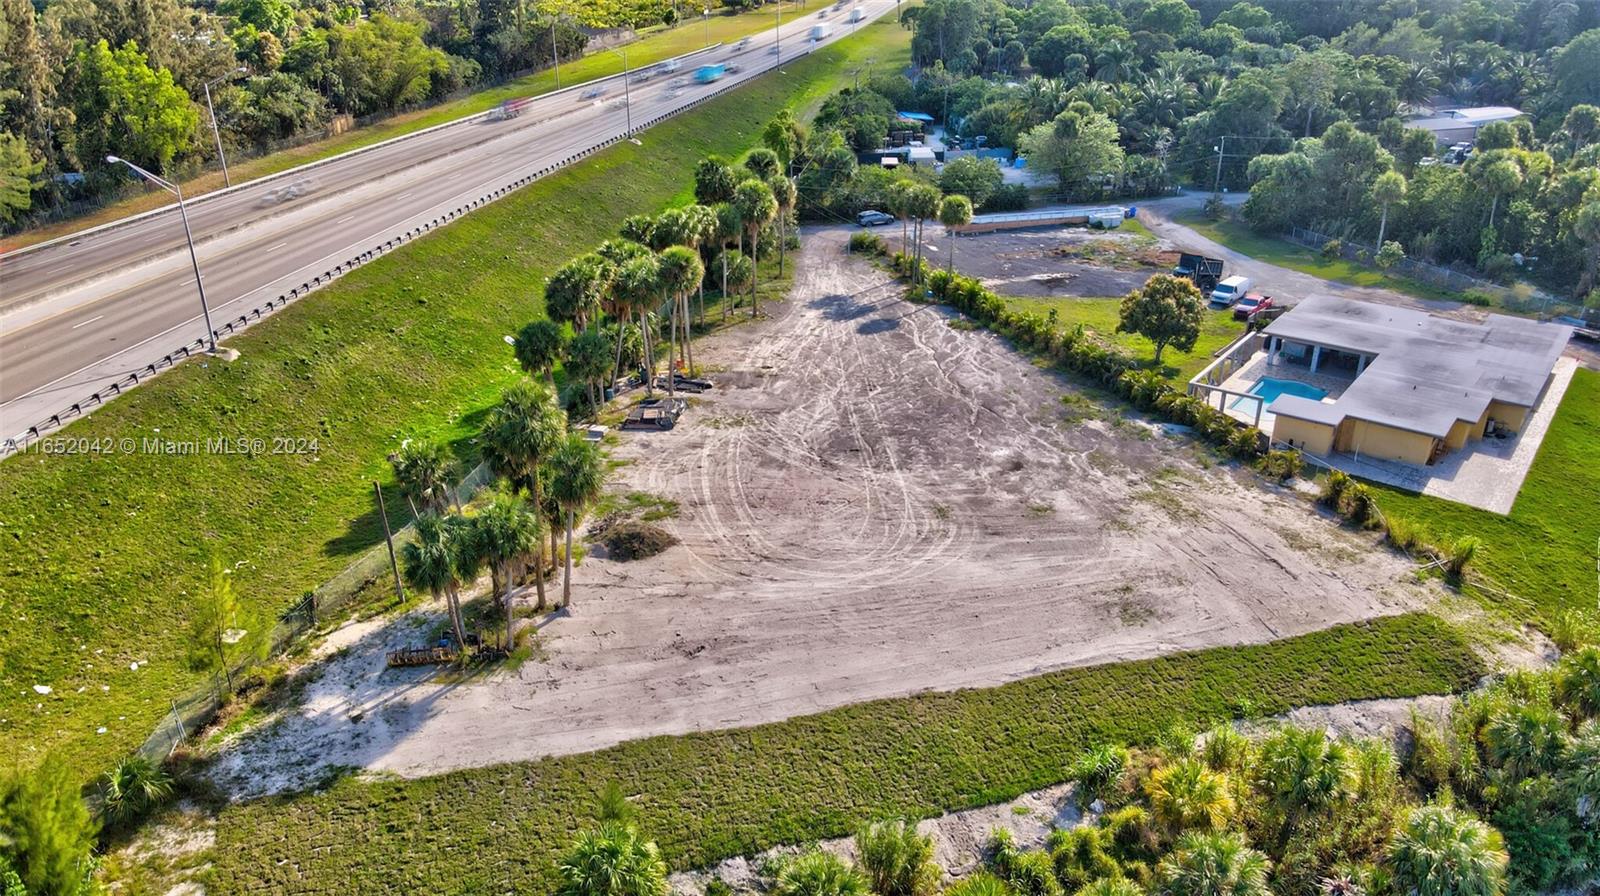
(873, 503)
(1032, 263)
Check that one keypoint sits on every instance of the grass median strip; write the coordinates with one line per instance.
(713, 795)
(103, 549)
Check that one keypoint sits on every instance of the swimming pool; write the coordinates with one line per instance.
(1270, 389)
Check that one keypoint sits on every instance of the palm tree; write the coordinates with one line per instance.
(578, 478)
(635, 290)
(922, 203)
(1213, 865)
(423, 469)
(1500, 178)
(507, 533)
(955, 212)
(714, 181)
(1186, 796)
(612, 860)
(432, 564)
(701, 225)
(898, 860)
(984, 883)
(1526, 740)
(783, 192)
(1389, 188)
(900, 207)
(1578, 683)
(521, 431)
(680, 271)
(539, 346)
(762, 162)
(820, 873)
(1301, 770)
(757, 207)
(574, 292)
(588, 361)
(1440, 851)
(729, 230)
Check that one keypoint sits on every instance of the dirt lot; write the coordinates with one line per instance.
(873, 503)
(1041, 262)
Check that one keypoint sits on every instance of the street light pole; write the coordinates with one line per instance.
(705, 14)
(183, 213)
(1222, 149)
(555, 51)
(215, 132)
(627, 97)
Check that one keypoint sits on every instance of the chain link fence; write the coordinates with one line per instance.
(366, 579)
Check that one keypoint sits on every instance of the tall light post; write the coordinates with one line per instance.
(215, 132)
(705, 14)
(777, 36)
(627, 97)
(555, 51)
(170, 187)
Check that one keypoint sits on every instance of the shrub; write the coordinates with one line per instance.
(1215, 209)
(1009, 198)
(1099, 768)
(1440, 851)
(46, 832)
(981, 883)
(1083, 855)
(1403, 533)
(1245, 443)
(867, 243)
(1333, 490)
(1187, 795)
(636, 541)
(1332, 250)
(1226, 749)
(1391, 254)
(1572, 629)
(1426, 760)
(1032, 873)
(817, 873)
(1214, 865)
(1459, 555)
(1281, 465)
(132, 789)
(1578, 683)
(1358, 506)
(612, 860)
(897, 859)
(1477, 297)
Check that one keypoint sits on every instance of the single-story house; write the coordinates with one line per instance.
(1452, 126)
(1423, 385)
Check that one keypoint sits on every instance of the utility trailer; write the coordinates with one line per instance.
(1203, 272)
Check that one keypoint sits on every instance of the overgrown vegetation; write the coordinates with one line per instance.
(712, 795)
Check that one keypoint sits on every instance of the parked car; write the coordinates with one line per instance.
(1229, 291)
(874, 218)
(1250, 306)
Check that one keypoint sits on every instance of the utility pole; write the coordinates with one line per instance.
(1216, 188)
(388, 537)
(555, 51)
(215, 132)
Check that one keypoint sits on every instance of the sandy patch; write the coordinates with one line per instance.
(873, 503)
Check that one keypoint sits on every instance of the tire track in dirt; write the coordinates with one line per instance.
(872, 503)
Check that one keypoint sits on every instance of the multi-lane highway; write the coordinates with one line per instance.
(81, 312)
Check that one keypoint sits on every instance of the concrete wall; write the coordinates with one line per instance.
(1510, 416)
(1375, 440)
(1314, 438)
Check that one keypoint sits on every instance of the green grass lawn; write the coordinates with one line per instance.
(101, 552)
(709, 796)
(655, 45)
(1238, 236)
(1101, 315)
(1544, 552)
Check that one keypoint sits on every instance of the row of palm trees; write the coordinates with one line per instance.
(914, 203)
(552, 477)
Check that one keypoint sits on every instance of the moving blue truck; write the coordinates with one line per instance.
(705, 74)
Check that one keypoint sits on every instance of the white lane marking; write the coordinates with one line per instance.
(277, 247)
(344, 219)
(88, 322)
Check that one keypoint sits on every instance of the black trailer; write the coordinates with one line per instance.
(1205, 273)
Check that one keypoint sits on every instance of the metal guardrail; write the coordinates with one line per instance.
(82, 407)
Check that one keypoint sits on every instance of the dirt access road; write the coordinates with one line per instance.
(873, 503)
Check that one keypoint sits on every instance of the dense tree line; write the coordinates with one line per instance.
(1136, 91)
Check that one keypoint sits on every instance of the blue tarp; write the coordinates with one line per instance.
(915, 116)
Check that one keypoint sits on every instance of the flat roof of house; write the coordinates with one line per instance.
(1473, 116)
(1426, 371)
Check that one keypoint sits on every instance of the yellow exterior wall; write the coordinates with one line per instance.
(1509, 415)
(1375, 440)
(1460, 431)
(1315, 438)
